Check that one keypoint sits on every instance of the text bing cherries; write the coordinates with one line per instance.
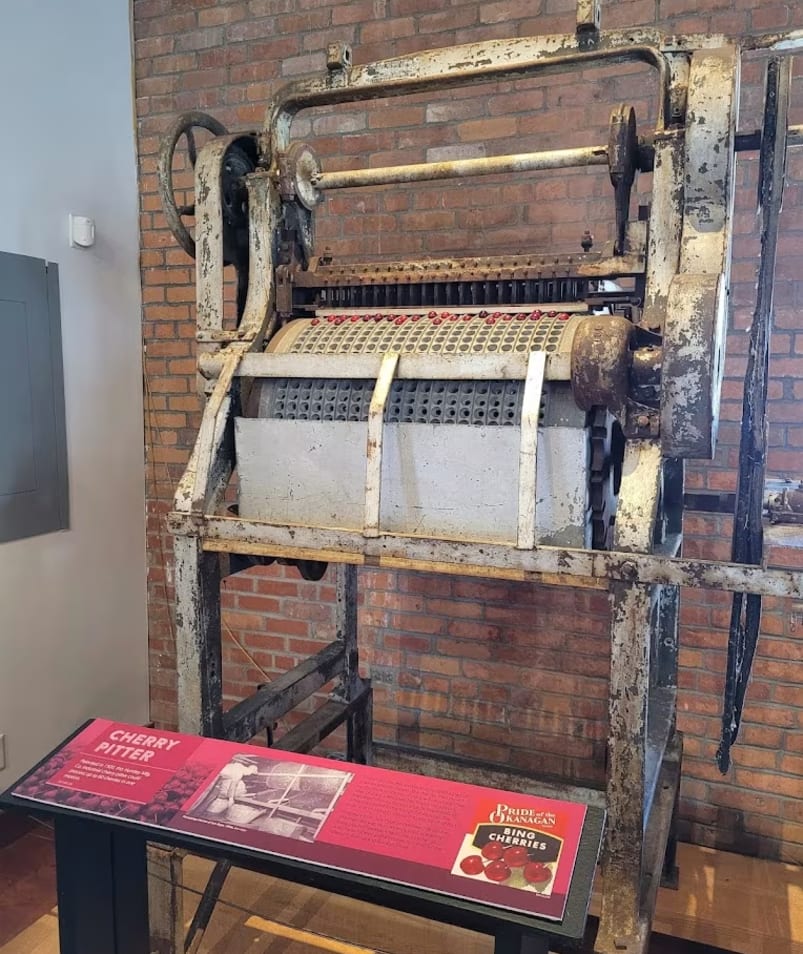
(499, 863)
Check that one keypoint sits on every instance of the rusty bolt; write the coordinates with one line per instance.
(338, 56)
(643, 420)
(629, 570)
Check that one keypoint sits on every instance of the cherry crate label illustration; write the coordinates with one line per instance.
(516, 846)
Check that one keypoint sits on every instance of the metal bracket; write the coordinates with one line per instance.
(530, 411)
(376, 419)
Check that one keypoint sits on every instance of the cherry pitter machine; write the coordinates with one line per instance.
(523, 417)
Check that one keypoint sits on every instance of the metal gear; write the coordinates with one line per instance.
(605, 473)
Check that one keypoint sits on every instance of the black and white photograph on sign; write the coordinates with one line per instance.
(281, 798)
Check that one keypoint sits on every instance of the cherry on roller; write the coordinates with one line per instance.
(493, 851)
(497, 871)
(472, 865)
(516, 856)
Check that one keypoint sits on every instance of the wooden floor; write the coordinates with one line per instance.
(726, 901)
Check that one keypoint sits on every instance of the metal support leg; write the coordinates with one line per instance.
(359, 728)
(620, 929)
(670, 873)
(198, 639)
(102, 887)
(666, 650)
(166, 899)
(512, 941)
(200, 694)
(206, 907)
(667, 672)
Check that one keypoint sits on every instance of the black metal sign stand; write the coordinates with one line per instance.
(102, 882)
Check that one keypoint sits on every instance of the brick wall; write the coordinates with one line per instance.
(499, 671)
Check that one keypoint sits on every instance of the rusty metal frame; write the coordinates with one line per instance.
(686, 267)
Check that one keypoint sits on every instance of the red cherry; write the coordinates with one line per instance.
(563, 316)
(432, 314)
(536, 873)
(516, 856)
(521, 316)
(315, 321)
(497, 871)
(467, 317)
(551, 314)
(366, 317)
(472, 865)
(507, 317)
(493, 851)
(437, 321)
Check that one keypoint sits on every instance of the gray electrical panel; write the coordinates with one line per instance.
(33, 451)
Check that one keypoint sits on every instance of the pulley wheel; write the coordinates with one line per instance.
(182, 127)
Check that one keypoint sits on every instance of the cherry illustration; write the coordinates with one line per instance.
(472, 865)
(536, 873)
(497, 871)
(493, 851)
(516, 856)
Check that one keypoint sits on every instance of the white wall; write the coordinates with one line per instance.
(73, 638)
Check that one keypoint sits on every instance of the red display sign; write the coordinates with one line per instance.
(500, 848)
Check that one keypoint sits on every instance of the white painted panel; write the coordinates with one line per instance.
(73, 629)
(310, 473)
(442, 481)
(451, 481)
(562, 487)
